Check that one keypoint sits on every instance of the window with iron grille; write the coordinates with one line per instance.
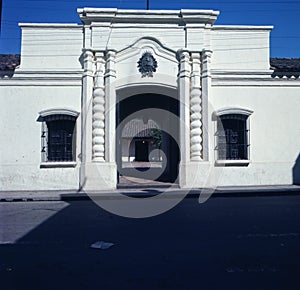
(232, 137)
(58, 138)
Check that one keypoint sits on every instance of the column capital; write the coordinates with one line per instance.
(87, 51)
(184, 63)
(88, 63)
(100, 69)
(110, 53)
(207, 53)
(196, 70)
(206, 60)
(110, 63)
(196, 55)
(183, 53)
(99, 54)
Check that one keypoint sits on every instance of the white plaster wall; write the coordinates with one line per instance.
(240, 48)
(274, 132)
(120, 37)
(51, 46)
(20, 138)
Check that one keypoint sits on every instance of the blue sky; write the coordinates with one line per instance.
(283, 14)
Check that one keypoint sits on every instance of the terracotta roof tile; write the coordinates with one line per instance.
(8, 63)
(289, 67)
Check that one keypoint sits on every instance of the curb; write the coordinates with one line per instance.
(31, 196)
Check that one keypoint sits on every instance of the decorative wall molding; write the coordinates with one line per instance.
(43, 78)
(109, 16)
(58, 111)
(233, 110)
(254, 78)
(142, 45)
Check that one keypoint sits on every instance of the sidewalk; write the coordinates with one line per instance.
(148, 191)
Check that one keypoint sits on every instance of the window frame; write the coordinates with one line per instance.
(44, 115)
(233, 111)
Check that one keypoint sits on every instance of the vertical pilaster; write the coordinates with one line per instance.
(86, 113)
(87, 36)
(184, 100)
(196, 109)
(206, 86)
(98, 123)
(110, 108)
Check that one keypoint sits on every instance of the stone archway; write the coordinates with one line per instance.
(103, 93)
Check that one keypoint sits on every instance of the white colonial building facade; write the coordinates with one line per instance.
(84, 94)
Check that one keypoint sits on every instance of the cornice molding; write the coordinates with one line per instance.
(114, 15)
(251, 78)
(40, 78)
(50, 25)
(233, 110)
(243, 27)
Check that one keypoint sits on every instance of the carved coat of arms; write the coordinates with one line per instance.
(147, 64)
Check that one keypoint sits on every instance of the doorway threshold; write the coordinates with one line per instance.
(128, 182)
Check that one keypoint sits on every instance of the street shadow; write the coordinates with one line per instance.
(191, 246)
(296, 171)
(57, 253)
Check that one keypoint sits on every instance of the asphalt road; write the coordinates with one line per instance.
(225, 243)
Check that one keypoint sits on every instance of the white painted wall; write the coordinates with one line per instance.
(20, 138)
(240, 48)
(51, 46)
(274, 132)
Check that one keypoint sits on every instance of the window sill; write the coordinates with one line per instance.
(58, 164)
(244, 162)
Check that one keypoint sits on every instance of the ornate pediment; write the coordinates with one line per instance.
(143, 48)
(146, 60)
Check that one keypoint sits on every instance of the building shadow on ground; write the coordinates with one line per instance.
(191, 246)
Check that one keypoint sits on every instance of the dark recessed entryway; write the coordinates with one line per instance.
(147, 139)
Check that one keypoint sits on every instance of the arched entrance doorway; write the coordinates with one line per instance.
(147, 138)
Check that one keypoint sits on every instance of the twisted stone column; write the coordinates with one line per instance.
(196, 109)
(98, 118)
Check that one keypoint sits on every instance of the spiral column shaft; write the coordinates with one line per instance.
(98, 119)
(196, 109)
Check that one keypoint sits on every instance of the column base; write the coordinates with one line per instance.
(96, 176)
(197, 174)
